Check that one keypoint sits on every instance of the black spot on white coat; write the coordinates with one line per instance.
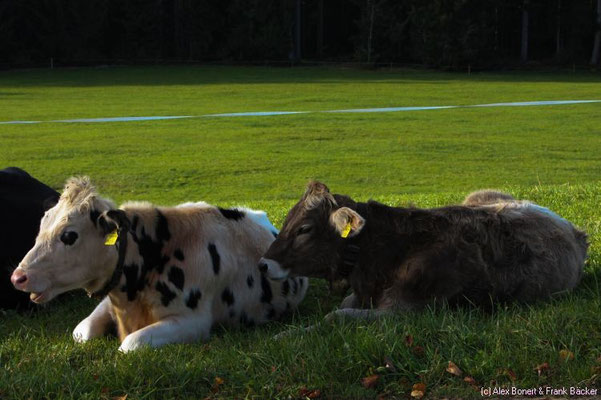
(244, 320)
(149, 249)
(166, 294)
(178, 254)
(162, 228)
(227, 296)
(250, 281)
(231, 213)
(214, 258)
(193, 297)
(131, 281)
(266, 294)
(134, 223)
(176, 276)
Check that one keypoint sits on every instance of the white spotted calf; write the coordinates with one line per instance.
(166, 274)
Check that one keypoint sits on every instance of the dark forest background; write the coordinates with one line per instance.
(433, 33)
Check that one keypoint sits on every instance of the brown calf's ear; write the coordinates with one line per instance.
(316, 188)
(316, 193)
(347, 222)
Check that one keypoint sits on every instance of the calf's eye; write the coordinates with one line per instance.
(68, 237)
(304, 229)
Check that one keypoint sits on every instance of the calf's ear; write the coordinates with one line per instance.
(347, 222)
(110, 220)
(316, 193)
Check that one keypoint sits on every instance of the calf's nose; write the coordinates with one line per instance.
(18, 278)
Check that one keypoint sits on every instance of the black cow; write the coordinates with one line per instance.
(23, 200)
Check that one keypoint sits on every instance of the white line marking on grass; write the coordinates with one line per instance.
(389, 109)
(273, 113)
(19, 122)
(536, 103)
(125, 119)
(256, 114)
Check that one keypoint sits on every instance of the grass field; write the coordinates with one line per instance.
(551, 155)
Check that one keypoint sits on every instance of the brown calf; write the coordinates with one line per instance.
(494, 248)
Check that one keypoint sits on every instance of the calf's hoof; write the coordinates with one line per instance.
(82, 333)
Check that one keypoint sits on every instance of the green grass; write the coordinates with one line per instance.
(550, 155)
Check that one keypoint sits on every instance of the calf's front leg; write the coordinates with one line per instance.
(177, 329)
(96, 324)
(349, 301)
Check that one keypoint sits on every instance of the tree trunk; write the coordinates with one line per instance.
(297, 32)
(320, 29)
(558, 46)
(371, 28)
(524, 53)
(597, 45)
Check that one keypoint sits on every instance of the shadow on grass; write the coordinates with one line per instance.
(207, 75)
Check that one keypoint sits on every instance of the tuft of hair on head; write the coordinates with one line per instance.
(316, 194)
(79, 192)
(487, 197)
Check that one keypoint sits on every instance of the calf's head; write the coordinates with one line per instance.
(70, 250)
(312, 236)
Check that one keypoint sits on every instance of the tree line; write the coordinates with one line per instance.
(434, 33)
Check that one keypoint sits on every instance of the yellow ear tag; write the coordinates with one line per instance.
(111, 238)
(346, 231)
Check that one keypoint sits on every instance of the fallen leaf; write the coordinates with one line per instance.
(419, 390)
(469, 380)
(311, 394)
(217, 383)
(419, 351)
(409, 340)
(370, 381)
(510, 374)
(454, 369)
(566, 355)
(541, 368)
(273, 368)
(104, 390)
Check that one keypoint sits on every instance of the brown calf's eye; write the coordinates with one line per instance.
(68, 237)
(304, 229)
